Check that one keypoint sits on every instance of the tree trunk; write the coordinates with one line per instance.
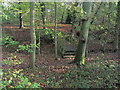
(39, 42)
(68, 20)
(56, 53)
(1, 31)
(62, 17)
(73, 19)
(20, 18)
(80, 53)
(43, 13)
(92, 20)
(33, 36)
(96, 12)
(21, 21)
(117, 28)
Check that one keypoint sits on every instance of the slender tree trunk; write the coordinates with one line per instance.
(109, 15)
(39, 49)
(80, 53)
(38, 34)
(117, 41)
(62, 17)
(73, 19)
(93, 19)
(33, 36)
(20, 18)
(117, 30)
(56, 53)
(68, 19)
(43, 13)
(96, 12)
(21, 21)
(1, 31)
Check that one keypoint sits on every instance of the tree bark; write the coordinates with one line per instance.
(117, 29)
(43, 13)
(80, 53)
(93, 19)
(62, 17)
(96, 12)
(56, 53)
(73, 19)
(33, 36)
(20, 18)
(68, 19)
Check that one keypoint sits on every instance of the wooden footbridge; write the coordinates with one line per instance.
(66, 47)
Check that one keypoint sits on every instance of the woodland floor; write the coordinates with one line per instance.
(45, 62)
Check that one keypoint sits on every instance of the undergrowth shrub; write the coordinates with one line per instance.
(14, 78)
(99, 74)
(8, 40)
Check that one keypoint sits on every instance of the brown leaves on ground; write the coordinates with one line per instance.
(45, 62)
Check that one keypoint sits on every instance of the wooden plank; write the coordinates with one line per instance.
(69, 53)
(69, 56)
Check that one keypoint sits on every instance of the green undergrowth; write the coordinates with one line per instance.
(8, 40)
(14, 78)
(95, 74)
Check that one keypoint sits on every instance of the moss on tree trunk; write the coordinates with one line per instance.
(33, 36)
(80, 53)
